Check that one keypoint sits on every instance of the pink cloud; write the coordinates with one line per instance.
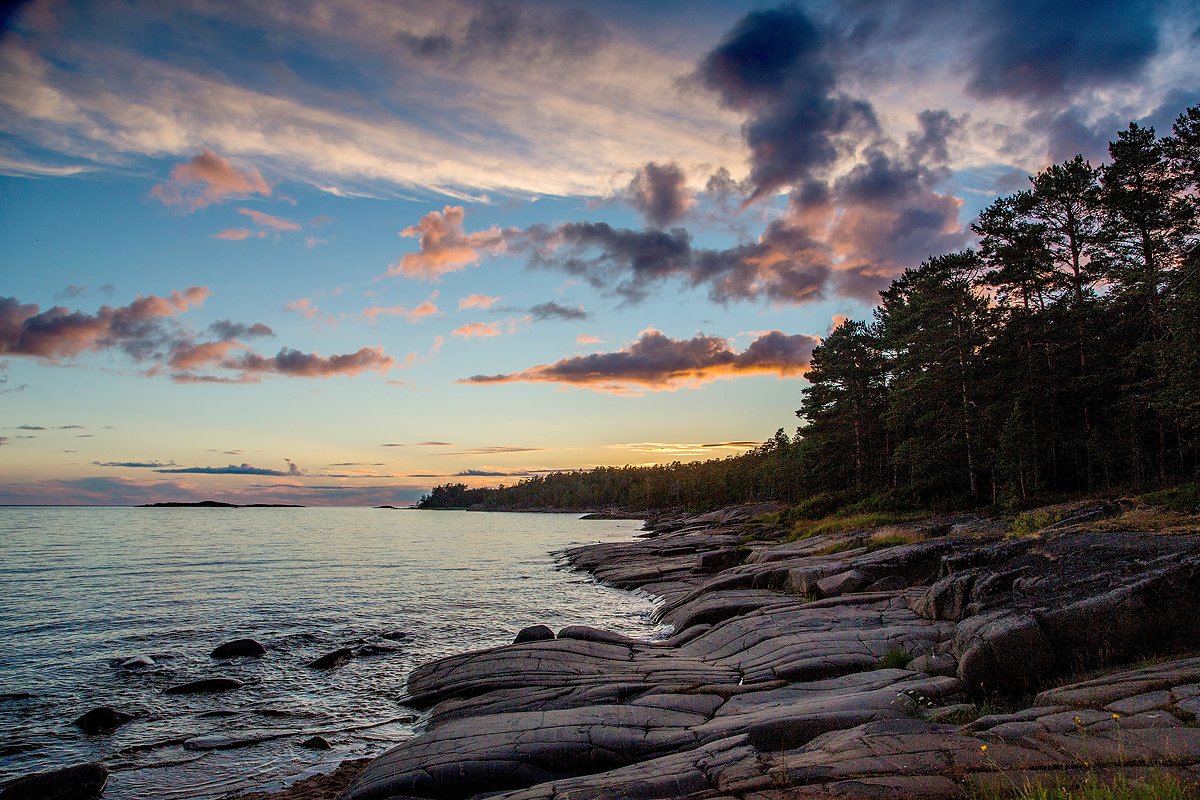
(585, 339)
(477, 330)
(656, 362)
(208, 179)
(297, 364)
(269, 220)
(477, 301)
(234, 234)
(425, 309)
(444, 245)
(195, 356)
(305, 307)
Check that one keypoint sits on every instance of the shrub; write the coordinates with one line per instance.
(1184, 498)
(896, 658)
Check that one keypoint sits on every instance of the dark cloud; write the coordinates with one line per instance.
(139, 329)
(775, 66)
(931, 143)
(1035, 51)
(74, 290)
(31, 428)
(1071, 131)
(785, 265)
(552, 310)
(657, 362)
(295, 364)
(232, 469)
(418, 444)
(3, 440)
(228, 329)
(135, 464)
(659, 192)
(70, 427)
(489, 473)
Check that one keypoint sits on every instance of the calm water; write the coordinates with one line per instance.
(82, 589)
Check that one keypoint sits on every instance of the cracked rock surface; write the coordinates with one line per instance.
(827, 667)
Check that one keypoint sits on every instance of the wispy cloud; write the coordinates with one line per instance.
(232, 469)
(494, 451)
(656, 362)
(554, 311)
(269, 220)
(427, 308)
(584, 339)
(476, 330)
(135, 464)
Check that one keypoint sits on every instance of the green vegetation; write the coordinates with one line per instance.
(1061, 358)
(851, 521)
(1033, 521)
(896, 658)
(1155, 785)
(1184, 499)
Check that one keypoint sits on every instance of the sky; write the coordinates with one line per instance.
(339, 253)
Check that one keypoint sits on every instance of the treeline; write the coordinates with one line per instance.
(1061, 356)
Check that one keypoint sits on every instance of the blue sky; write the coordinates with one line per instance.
(339, 253)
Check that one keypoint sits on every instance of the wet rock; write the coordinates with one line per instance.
(204, 686)
(376, 649)
(228, 741)
(585, 633)
(395, 636)
(137, 662)
(331, 660)
(718, 560)
(6, 696)
(240, 648)
(317, 743)
(534, 633)
(81, 782)
(103, 719)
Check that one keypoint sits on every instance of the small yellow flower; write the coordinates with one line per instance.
(1116, 716)
(1086, 764)
(983, 748)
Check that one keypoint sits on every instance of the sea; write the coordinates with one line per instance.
(83, 590)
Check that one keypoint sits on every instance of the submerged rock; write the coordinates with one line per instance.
(331, 660)
(137, 662)
(317, 743)
(103, 719)
(205, 685)
(81, 782)
(248, 648)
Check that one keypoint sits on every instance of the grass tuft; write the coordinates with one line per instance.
(896, 658)
(1155, 785)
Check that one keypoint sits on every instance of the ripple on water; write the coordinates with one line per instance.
(87, 588)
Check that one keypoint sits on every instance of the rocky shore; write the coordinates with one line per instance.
(928, 660)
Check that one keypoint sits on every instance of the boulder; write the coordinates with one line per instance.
(81, 782)
(103, 719)
(935, 665)
(247, 648)
(589, 634)
(205, 686)
(534, 633)
(331, 660)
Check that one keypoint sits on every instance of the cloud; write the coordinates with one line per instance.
(424, 309)
(135, 464)
(659, 192)
(775, 65)
(1033, 51)
(656, 362)
(189, 488)
(3, 440)
(31, 428)
(232, 469)
(297, 364)
(473, 330)
(208, 179)
(477, 301)
(418, 444)
(444, 245)
(585, 339)
(269, 220)
(494, 451)
(74, 290)
(228, 329)
(682, 448)
(552, 310)
(237, 234)
(59, 333)
(304, 306)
